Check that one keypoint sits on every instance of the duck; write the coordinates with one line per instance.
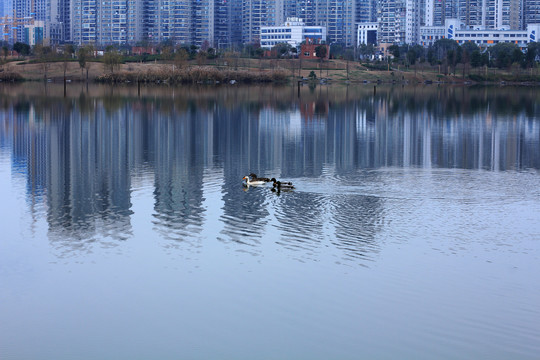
(249, 181)
(280, 185)
(254, 177)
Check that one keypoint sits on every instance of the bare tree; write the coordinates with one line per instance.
(111, 60)
(180, 59)
(321, 52)
(82, 58)
(231, 58)
(68, 53)
(43, 54)
(201, 57)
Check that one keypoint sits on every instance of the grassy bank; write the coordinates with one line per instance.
(259, 71)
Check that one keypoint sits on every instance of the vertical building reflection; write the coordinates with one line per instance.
(242, 150)
(180, 144)
(76, 165)
(28, 156)
(88, 175)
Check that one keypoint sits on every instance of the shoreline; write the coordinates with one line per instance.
(258, 72)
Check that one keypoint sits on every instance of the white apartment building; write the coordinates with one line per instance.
(293, 32)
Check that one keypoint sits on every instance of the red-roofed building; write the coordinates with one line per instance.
(308, 49)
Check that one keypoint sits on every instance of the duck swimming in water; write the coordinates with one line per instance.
(250, 181)
(280, 185)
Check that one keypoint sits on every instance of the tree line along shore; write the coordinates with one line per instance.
(445, 62)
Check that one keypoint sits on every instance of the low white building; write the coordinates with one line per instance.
(293, 32)
(367, 33)
(456, 30)
(430, 34)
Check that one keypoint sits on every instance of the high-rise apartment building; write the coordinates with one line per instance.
(531, 13)
(197, 22)
(412, 21)
(391, 16)
(168, 20)
(20, 10)
(61, 15)
(257, 13)
(104, 22)
(202, 16)
(435, 12)
(222, 23)
(492, 14)
(340, 23)
(366, 11)
(338, 16)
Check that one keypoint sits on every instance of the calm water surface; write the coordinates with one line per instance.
(413, 233)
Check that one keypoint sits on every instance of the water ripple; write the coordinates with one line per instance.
(245, 215)
(357, 219)
(300, 219)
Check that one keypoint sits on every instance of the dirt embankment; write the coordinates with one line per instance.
(250, 70)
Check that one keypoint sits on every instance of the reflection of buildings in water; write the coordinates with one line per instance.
(480, 141)
(245, 214)
(242, 150)
(297, 148)
(315, 109)
(29, 155)
(377, 132)
(478, 144)
(181, 153)
(294, 146)
(341, 141)
(401, 141)
(85, 180)
(79, 157)
(89, 179)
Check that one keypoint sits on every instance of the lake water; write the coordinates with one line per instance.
(413, 231)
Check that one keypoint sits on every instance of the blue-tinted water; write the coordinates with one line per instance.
(413, 231)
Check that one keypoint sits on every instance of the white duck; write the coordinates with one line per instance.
(252, 182)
